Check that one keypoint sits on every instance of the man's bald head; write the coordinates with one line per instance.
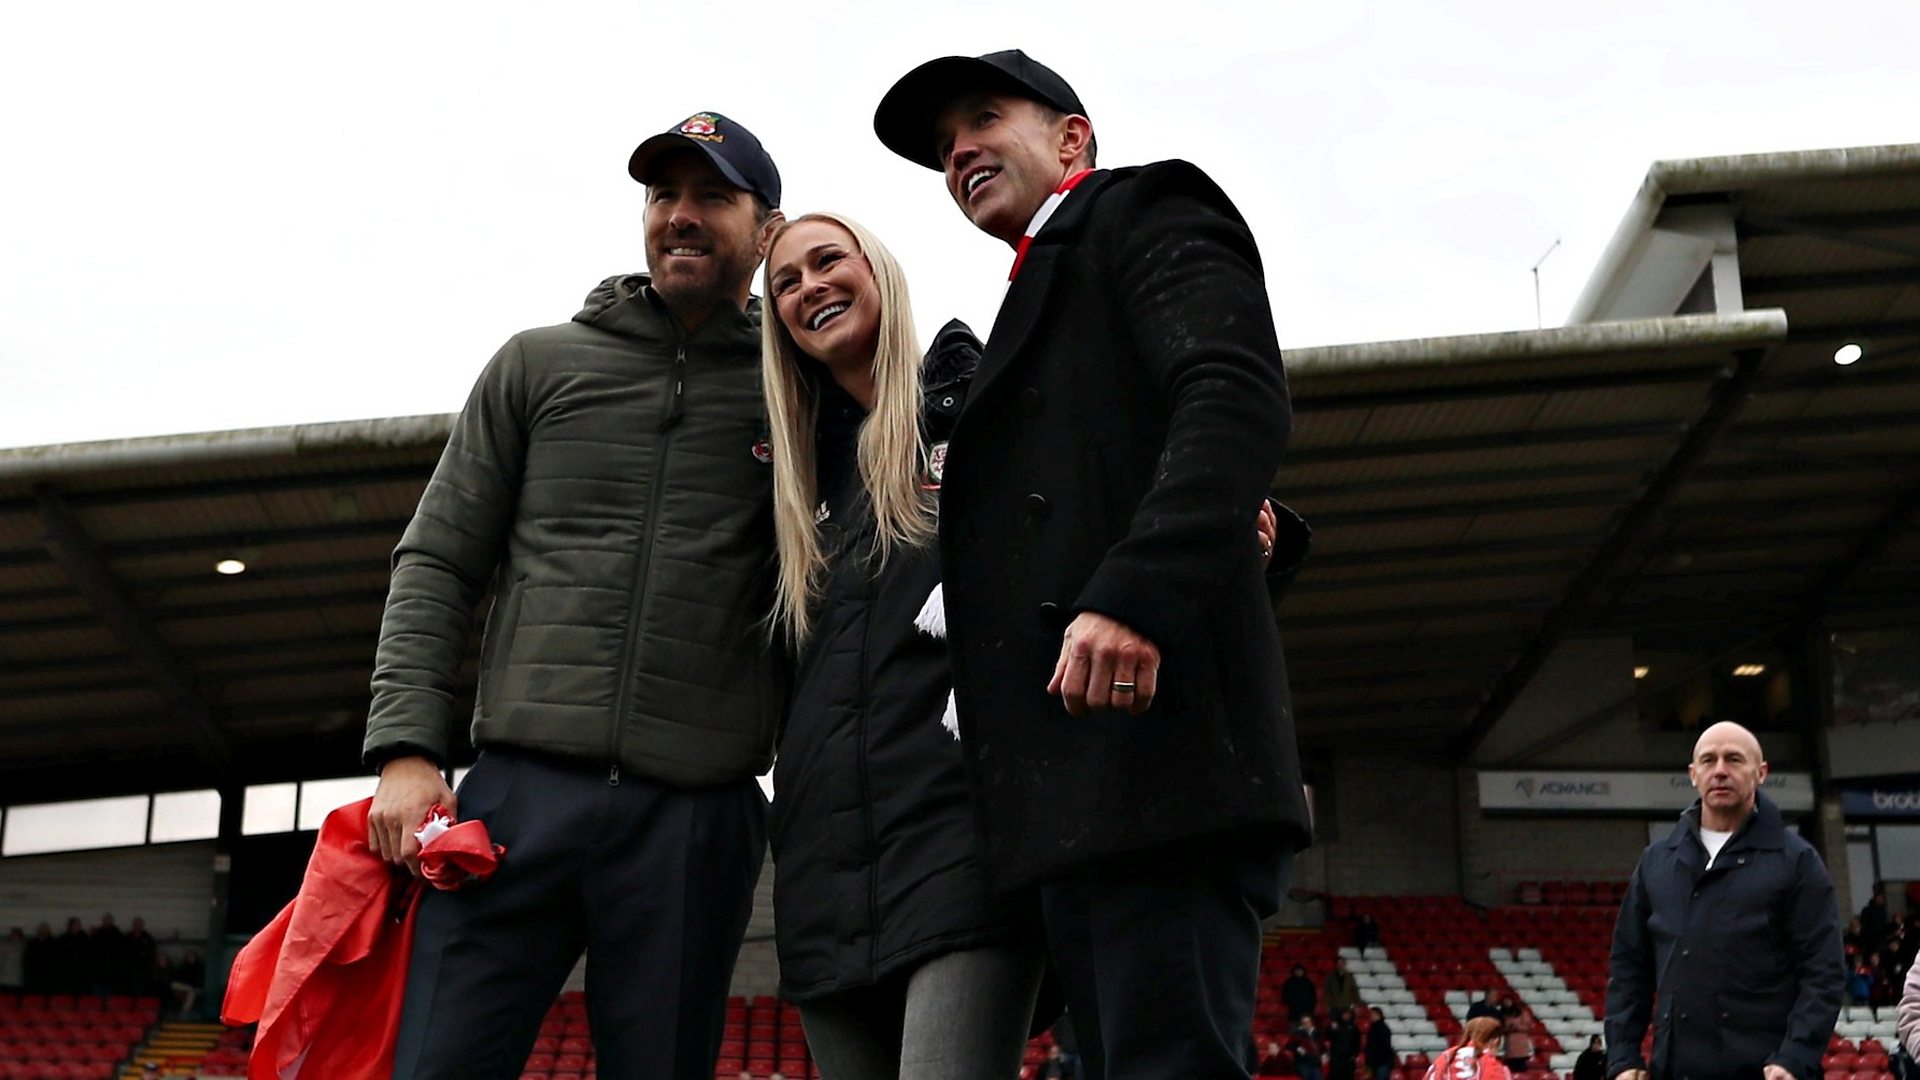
(1727, 769)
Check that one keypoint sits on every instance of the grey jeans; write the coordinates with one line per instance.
(956, 1017)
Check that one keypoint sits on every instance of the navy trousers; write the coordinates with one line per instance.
(1158, 952)
(655, 885)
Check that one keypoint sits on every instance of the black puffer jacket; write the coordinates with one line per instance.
(872, 834)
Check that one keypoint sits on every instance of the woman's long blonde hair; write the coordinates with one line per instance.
(892, 447)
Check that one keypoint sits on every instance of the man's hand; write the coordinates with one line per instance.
(409, 787)
(1779, 1072)
(1096, 653)
(1641, 1074)
(1265, 528)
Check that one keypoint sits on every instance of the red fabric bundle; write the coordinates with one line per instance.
(325, 979)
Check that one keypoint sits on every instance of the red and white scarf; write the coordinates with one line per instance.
(1040, 218)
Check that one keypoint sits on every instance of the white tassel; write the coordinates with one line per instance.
(433, 828)
(932, 619)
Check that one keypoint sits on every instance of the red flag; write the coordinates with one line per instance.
(326, 978)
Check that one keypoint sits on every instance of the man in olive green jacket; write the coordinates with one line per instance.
(609, 479)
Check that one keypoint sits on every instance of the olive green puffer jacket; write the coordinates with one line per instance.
(608, 477)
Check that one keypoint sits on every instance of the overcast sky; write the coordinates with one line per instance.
(223, 215)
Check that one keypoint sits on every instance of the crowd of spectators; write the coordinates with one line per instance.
(101, 960)
(1880, 948)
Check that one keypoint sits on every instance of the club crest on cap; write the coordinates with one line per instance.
(703, 126)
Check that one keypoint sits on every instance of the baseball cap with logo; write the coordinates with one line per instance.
(731, 147)
(906, 116)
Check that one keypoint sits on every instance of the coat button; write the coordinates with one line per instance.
(1686, 952)
(1050, 613)
(1030, 401)
(1037, 506)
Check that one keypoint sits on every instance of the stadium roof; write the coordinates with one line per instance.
(1711, 477)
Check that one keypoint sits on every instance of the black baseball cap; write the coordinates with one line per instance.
(731, 147)
(906, 116)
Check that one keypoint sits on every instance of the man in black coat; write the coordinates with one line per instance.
(1730, 923)
(1121, 690)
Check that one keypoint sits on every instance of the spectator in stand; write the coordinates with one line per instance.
(1860, 980)
(13, 960)
(1519, 1047)
(1592, 1062)
(1855, 937)
(1366, 933)
(43, 950)
(1343, 992)
(1298, 995)
(74, 959)
(1380, 1055)
(189, 976)
(109, 957)
(1275, 1061)
(142, 956)
(1343, 1045)
(1475, 1056)
(1874, 921)
(1729, 911)
(1908, 1026)
(1305, 1045)
(1885, 987)
(1488, 1006)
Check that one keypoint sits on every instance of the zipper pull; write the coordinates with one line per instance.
(613, 776)
(676, 396)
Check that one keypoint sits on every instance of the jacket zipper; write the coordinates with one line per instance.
(669, 419)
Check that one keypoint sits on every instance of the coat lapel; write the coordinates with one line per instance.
(1026, 298)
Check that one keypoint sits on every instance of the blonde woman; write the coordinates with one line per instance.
(900, 961)
(1475, 1057)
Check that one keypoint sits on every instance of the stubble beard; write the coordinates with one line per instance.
(694, 296)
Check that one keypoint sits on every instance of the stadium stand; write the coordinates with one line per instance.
(1437, 955)
(71, 1037)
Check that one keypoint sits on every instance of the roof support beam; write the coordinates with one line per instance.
(1838, 228)
(1805, 283)
(1871, 545)
(1308, 401)
(1627, 471)
(1672, 681)
(1579, 500)
(67, 541)
(1509, 440)
(1628, 536)
(1768, 225)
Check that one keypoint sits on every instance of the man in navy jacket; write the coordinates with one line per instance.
(1730, 923)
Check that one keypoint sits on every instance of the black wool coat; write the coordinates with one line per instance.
(1126, 421)
(1742, 962)
(873, 845)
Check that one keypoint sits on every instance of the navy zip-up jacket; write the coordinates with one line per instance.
(1745, 958)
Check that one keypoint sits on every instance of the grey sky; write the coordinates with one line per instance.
(226, 214)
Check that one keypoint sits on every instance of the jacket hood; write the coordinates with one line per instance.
(626, 304)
